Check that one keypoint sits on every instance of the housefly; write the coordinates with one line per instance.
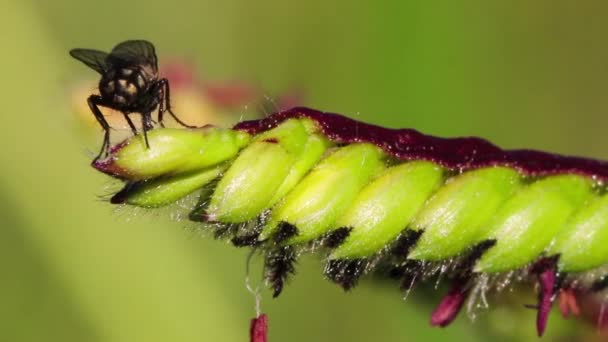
(129, 84)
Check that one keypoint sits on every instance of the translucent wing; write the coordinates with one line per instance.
(134, 52)
(94, 59)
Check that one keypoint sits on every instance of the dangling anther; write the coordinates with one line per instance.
(451, 304)
(546, 270)
(258, 329)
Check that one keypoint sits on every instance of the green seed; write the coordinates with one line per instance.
(247, 187)
(329, 189)
(313, 151)
(525, 225)
(166, 190)
(385, 207)
(264, 171)
(582, 244)
(173, 151)
(454, 217)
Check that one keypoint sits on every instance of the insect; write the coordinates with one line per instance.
(370, 198)
(129, 83)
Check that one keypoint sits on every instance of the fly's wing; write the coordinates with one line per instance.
(134, 52)
(94, 59)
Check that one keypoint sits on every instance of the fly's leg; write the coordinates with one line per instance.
(130, 122)
(146, 120)
(94, 101)
(165, 104)
(161, 104)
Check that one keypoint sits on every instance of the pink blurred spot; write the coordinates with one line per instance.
(225, 94)
(290, 99)
(180, 73)
(230, 94)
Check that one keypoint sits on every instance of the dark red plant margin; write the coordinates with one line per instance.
(452, 153)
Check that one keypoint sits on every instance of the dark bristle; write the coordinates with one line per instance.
(278, 266)
(248, 235)
(345, 273)
(250, 240)
(199, 213)
(284, 231)
(121, 196)
(224, 230)
(405, 242)
(392, 272)
(395, 264)
(474, 254)
(336, 237)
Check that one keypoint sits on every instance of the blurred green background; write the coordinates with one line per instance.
(522, 73)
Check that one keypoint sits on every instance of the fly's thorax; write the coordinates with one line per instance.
(124, 86)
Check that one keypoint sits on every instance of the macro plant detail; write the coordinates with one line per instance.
(371, 199)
